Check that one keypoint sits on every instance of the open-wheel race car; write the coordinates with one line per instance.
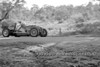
(9, 29)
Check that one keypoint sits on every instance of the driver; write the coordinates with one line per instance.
(19, 25)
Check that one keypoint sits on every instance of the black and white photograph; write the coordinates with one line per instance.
(49, 33)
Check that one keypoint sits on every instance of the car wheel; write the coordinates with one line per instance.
(43, 33)
(5, 33)
(34, 32)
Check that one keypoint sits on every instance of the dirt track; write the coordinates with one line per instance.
(47, 39)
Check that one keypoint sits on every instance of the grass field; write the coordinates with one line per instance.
(62, 54)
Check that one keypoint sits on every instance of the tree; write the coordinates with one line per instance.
(96, 0)
(7, 6)
(63, 12)
(34, 8)
(45, 13)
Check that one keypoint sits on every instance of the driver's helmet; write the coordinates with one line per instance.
(21, 23)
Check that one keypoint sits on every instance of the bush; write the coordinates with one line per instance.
(86, 29)
(90, 28)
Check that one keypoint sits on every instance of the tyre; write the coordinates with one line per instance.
(5, 32)
(43, 33)
(34, 32)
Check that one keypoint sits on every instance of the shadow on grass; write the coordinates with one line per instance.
(20, 45)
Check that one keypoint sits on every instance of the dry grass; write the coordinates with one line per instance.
(64, 54)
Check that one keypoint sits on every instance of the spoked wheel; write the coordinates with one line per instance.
(43, 33)
(5, 33)
(34, 32)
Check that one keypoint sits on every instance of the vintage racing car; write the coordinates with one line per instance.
(9, 29)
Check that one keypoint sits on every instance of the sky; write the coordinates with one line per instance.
(40, 3)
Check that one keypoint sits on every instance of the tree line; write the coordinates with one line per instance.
(61, 13)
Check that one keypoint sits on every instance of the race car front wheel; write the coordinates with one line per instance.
(5, 32)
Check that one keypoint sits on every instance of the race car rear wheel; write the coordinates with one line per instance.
(5, 33)
(43, 33)
(34, 32)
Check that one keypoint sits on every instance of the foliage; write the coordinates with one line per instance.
(76, 16)
(7, 6)
(48, 13)
(91, 28)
